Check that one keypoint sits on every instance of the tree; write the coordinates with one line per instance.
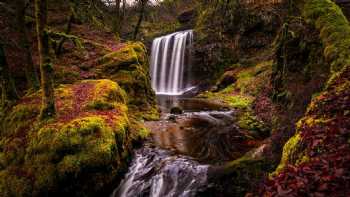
(46, 67)
(117, 17)
(8, 89)
(29, 69)
(142, 5)
(72, 17)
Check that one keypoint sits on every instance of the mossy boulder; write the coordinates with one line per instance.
(80, 152)
(129, 68)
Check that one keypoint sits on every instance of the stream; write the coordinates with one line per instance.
(157, 172)
(175, 161)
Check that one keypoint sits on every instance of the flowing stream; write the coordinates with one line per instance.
(175, 161)
(157, 172)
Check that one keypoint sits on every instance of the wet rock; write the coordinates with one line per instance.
(227, 79)
(172, 118)
(176, 110)
(186, 16)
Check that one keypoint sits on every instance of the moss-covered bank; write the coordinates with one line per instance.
(129, 67)
(80, 152)
(317, 156)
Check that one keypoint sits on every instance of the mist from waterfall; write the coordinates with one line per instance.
(170, 62)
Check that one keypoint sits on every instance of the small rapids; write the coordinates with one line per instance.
(160, 173)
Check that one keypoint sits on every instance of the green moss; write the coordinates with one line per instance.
(129, 68)
(115, 60)
(248, 121)
(239, 101)
(334, 30)
(141, 53)
(12, 185)
(144, 133)
(153, 30)
(228, 97)
(100, 105)
(66, 76)
(252, 79)
(289, 151)
(245, 172)
(20, 117)
(69, 150)
(248, 84)
(107, 95)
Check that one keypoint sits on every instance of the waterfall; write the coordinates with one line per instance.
(170, 62)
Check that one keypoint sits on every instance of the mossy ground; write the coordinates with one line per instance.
(83, 140)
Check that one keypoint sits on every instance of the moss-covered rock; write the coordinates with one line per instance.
(129, 68)
(80, 152)
(240, 176)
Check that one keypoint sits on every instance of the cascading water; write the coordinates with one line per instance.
(159, 173)
(170, 61)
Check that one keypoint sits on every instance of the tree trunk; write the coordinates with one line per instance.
(142, 10)
(29, 69)
(46, 68)
(69, 27)
(117, 17)
(8, 89)
(124, 8)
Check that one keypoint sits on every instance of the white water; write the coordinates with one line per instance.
(170, 61)
(158, 173)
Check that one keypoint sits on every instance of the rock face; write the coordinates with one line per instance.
(129, 67)
(80, 152)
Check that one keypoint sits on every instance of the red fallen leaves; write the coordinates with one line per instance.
(327, 145)
(325, 176)
(328, 171)
(82, 94)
